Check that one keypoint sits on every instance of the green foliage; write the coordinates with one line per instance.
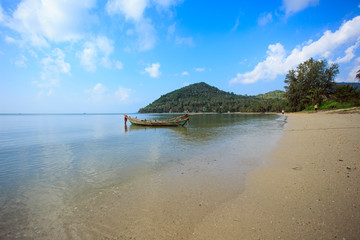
(330, 105)
(311, 83)
(201, 97)
(347, 93)
(277, 94)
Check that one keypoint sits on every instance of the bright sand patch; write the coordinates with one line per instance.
(310, 190)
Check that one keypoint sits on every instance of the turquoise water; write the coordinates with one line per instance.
(50, 161)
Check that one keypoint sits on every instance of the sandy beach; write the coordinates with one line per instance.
(309, 190)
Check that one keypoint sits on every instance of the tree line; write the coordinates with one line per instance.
(313, 83)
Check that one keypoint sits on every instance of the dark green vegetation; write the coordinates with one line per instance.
(313, 82)
(201, 97)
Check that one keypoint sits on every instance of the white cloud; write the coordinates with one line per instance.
(133, 9)
(21, 61)
(130, 32)
(270, 68)
(56, 62)
(46, 81)
(184, 41)
(185, 73)
(237, 23)
(11, 40)
(166, 3)
(99, 50)
(88, 57)
(171, 30)
(265, 18)
(293, 6)
(200, 69)
(47, 93)
(101, 94)
(146, 35)
(105, 45)
(2, 16)
(353, 71)
(349, 53)
(118, 64)
(122, 94)
(99, 89)
(98, 93)
(42, 21)
(178, 40)
(153, 71)
(277, 62)
(52, 66)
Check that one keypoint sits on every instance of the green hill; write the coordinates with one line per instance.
(201, 97)
(277, 94)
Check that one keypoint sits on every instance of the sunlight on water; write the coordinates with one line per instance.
(49, 161)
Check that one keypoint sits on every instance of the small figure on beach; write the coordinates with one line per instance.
(315, 107)
(125, 119)
(282, 112)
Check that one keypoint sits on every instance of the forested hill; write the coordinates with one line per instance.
(201, 97)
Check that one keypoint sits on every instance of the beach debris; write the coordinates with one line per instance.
(297, 168)
(348, 168)
(340, 160)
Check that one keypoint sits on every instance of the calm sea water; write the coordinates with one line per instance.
(49, 161)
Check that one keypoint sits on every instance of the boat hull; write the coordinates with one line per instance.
(179, 121)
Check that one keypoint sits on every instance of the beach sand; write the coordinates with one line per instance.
(309, 190)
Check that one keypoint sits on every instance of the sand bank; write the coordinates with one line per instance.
(309, 190)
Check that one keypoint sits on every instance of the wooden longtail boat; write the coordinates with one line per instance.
(177, 121)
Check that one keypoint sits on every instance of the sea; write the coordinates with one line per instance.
(49, 162)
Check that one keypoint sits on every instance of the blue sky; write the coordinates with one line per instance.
(65, 56)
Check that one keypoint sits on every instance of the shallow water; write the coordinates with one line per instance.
(52, 163)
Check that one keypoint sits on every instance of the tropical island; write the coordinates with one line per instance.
(311, 83)
(201, 97)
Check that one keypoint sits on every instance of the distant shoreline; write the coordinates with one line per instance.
(346, 110)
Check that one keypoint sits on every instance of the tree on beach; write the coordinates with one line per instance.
(310, 83)
(358, 75)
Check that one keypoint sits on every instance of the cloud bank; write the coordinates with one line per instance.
(40, 22)
(278, 62)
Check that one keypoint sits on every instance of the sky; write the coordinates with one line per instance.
(114, 56)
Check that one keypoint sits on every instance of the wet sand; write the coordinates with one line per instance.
(309, 190)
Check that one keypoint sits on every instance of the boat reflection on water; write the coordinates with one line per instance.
(181, 129)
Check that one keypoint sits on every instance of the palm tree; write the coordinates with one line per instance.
(358, 75)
